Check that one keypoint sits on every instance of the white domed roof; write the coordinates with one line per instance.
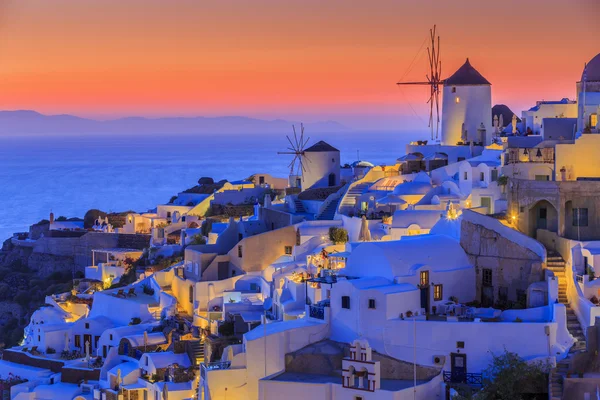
(593, 70)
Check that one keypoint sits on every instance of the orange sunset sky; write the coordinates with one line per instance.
(310, 60)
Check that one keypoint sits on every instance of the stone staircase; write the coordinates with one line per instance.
(329, 212)
(348, 203)
(197, 352)
(299, 206)
(556, 264)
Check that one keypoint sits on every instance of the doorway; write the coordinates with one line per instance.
(332, 179)
(425, 298)
(458, 370)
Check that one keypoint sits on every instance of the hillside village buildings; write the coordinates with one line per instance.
(365, 282)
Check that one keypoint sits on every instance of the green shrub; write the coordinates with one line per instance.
(198, 239)
(338, 235)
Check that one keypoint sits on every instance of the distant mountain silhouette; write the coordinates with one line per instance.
(25, 122)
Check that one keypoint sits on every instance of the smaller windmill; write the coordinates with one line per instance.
(296, 148)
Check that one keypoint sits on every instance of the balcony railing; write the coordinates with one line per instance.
(468, 378)
(214, 366)
(317, 312)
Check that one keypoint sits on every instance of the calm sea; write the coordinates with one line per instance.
(70, 175)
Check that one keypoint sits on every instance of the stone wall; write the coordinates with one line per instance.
(21, 357)
(80, 249)
(513, 266)
(325, 358)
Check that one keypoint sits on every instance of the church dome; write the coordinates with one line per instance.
(593, 70)
(466, 75)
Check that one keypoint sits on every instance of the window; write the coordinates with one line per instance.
(346, 302)
(457, 100)
(77, 341)
(593, 120)
(482, 176)
(580, 217)
(298, 237)
(437, 292)
(487, 277)
(542, 177)
(521, 297)
(494, 175)
(460, 345)
(459, 159)
(521, 209)
(39, 339)
(261, 180)
(240, 251)
(191, 294)
(372, 303)
(358, 398)
(453, 90)
(466, 176)
(87, 325)
(424, 278)
(110, 336)
(288, 250)
(147, 361)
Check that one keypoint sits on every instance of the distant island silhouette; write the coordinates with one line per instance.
(27, 122)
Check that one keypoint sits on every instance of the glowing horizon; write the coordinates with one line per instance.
(268, 59)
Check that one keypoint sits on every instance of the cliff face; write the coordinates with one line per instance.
(30, 270)
(26, 277)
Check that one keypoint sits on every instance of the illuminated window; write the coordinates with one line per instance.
(437, 292)
(593, 120)
(457, 100)
(414, 232)
(424, 278)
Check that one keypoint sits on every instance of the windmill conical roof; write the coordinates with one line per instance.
(466, 75)
(593, 70)
(321, 146)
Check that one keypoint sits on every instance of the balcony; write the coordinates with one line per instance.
(467, 378)
(213, 366)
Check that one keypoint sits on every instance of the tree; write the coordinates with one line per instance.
(198, 239)
(91, 216)
(509, 377)
(338, 235)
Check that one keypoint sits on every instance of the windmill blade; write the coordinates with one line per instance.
(291, 144)
(296, 137)
(304, 145)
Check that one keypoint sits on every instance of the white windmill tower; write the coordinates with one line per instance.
(298, 164)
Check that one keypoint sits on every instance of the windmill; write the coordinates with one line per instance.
(433, 81)
(296, 148)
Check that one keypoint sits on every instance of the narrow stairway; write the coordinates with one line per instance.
(348, 203)
(329, 212)
(197, 352)
(299, 206)
(556, 264)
